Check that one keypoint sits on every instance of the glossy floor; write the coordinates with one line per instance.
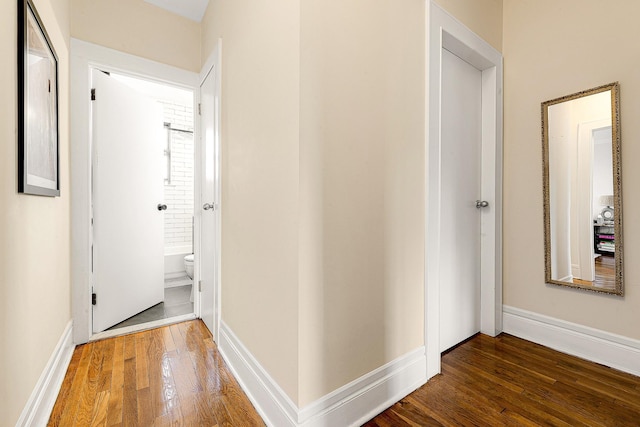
(167, 376)
(507, 381)
(175, 376)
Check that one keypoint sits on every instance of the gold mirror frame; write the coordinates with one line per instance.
(617, 187)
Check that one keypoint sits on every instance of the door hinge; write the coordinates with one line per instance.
(93, 94)
(199, 109)
(199, 285)
(94, 299)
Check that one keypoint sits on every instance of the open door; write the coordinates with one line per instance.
(210, 212)
(127, 180)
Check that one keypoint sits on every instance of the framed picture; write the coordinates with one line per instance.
(38, 137)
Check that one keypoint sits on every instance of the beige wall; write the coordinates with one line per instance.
(484, 17)
(61, 9)
(318, 125)
(138, 28)
(552, 49)
(362, 188)
(260, 190)
(323, 139)
(34, 232)
(350, 183)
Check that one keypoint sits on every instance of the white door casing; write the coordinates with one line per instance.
(446, 32)
(460, 219)
(128, 245)
(584, 198)
(209, 261)
(84, 57)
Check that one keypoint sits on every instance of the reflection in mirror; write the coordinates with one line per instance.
(582, 190)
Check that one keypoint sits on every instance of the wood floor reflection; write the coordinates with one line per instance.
(168, 376)
(605, 274)
(507, 381)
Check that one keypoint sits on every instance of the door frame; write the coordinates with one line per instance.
(213, 65)
(446, 32)
(584, 195)
(84, 57)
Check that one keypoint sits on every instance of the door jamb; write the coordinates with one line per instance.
(444, 31)
(84, 56)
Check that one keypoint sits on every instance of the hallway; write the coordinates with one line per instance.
(175, 375)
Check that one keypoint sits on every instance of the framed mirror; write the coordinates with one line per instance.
(582, 190)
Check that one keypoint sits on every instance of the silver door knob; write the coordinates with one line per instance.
(162, 207)
(481, 204)
(208, 206)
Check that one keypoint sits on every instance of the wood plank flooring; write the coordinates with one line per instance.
(175, 376)
(507, 381)
(161, 377)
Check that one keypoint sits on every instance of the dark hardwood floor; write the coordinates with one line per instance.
(175, 376)
(507, 381)
(162, 377)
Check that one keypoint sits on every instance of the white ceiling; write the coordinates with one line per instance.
(192, 9)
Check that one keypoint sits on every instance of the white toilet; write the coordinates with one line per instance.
(188, 265)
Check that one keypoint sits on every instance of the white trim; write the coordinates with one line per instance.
(444, 31)
(84, 56)
(350, 405)
(120, 62)
(568, 278)
(141, 327)
(369, 395)
(615, 351)
(586, 165)
(38, 408)
(271, 402)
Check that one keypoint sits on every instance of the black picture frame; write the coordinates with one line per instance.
(38, 115)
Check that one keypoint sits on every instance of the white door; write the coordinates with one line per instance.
(128, 254)
(210, 212)
(460, 219)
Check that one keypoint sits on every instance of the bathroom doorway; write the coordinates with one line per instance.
(204, 241)
(113, 66)
(142, 201)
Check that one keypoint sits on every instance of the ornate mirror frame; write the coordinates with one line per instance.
(617, 187)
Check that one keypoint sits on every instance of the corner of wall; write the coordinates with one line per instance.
(350, 405)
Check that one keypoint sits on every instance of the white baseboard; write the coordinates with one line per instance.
(40, 404)
(271, 402)
(350, 405)
(598, 346)
(568, 278)
(369, 395)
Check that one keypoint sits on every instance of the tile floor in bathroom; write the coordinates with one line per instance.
(177, 293)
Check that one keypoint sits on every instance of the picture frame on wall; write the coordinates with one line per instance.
(38, 119)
